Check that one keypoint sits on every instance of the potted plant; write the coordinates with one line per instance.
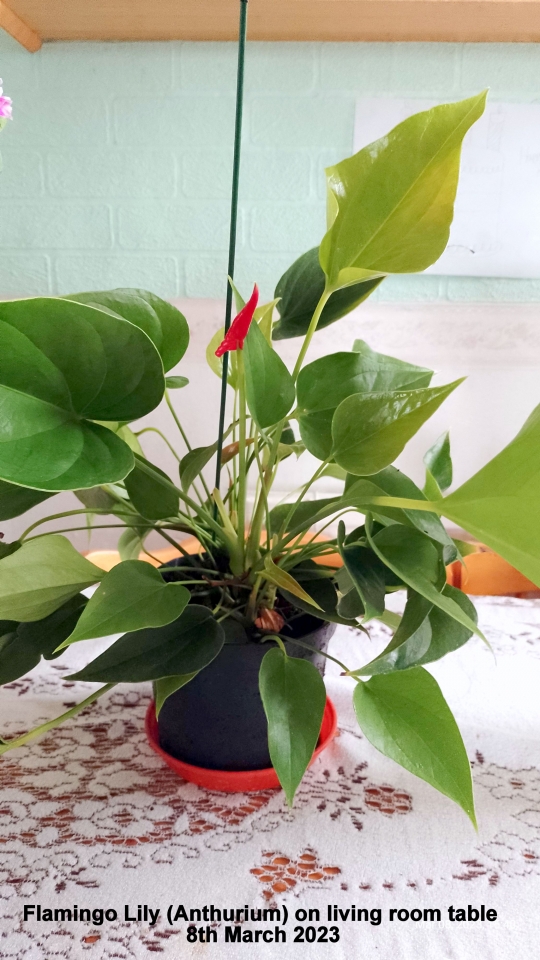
(236, 633)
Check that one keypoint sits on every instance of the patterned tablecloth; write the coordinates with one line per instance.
(90, 816)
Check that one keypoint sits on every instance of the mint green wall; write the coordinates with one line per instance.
(117, 164)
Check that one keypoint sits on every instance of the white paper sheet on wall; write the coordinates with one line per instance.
(496, 228)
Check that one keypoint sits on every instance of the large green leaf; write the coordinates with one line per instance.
(64, 365)
(294, 697)
(410, 641)
(366, 572)
(405, 716)
(184, 646)
(499, 505)
(414, 558)
(269, 386)
(164, 324)
(370, 430)
(300, 290)
(44, 573)
(15, 500)
(131, 596)
(151, 499)
(316, 432)
(23, 644)
(392, 203)
(324, 383)
(447, 634)
(390, 373)
(424, 635)
(398, 484)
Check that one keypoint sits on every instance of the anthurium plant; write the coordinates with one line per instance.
(77, 372)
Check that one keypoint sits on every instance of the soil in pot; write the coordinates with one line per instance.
(217, 721)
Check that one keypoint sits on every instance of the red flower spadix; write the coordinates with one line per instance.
(238, 330)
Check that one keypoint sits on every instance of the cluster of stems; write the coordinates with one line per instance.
(222, 524)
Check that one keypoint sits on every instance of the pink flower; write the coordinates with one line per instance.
(5, 105)
(238, 330)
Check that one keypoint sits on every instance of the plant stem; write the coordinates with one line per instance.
(297, 533)
(168, 401)
(163, 437)
(173, 543)
(232, 490)
(242, 413)
(45, 727)
(95, 526)
(328, 656)
(303, 492)
(251, 606)
(311, 330)
(277, 639)
(260, 512)
(186, 441)
(60, 516)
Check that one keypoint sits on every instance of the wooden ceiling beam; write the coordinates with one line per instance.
(335, 20)
(18, 29)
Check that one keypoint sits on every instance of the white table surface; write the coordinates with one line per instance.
(90, 816)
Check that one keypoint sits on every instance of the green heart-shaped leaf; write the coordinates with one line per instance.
(15, 500)
(370, 430)
(164, 324)
(23, 644)
(414, 558)
(499, 504)
(294, 697)
(367, 574)
(324, 383)
(44, 573)
(64, 365)
(151, 499)
(405, 716)
(130, 597)
(270, 389)
(184, 646)
(300, 290)
(398, 484)
(392, 203)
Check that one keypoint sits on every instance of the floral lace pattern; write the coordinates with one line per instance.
(90, 815)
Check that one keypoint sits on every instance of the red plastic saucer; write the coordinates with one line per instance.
(234, 781)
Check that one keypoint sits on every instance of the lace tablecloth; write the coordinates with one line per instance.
(90, 816)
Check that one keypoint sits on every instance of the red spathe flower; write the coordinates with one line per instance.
(238, 330)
